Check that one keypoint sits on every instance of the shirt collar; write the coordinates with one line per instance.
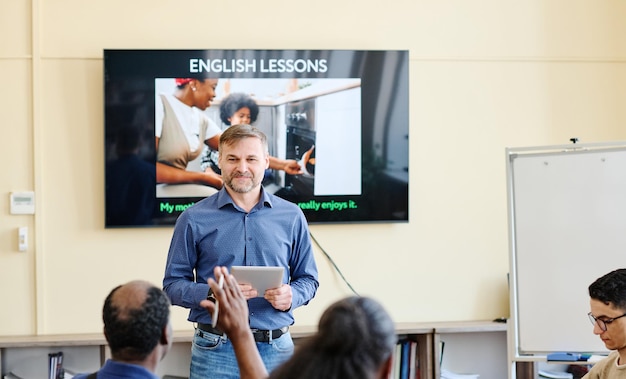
(223, 199)
(127, 369)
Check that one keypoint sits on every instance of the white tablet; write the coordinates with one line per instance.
(260, 277)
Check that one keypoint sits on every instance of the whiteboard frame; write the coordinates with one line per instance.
(515, 351)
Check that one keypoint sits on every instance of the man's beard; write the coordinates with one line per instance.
(246, 187)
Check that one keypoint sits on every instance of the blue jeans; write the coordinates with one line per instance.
(213, 357)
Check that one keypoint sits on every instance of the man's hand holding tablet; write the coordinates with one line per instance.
(259, 278)
(266, 282)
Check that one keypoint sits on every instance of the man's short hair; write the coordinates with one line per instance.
(134, 332)
(610, 288)
(236, 133)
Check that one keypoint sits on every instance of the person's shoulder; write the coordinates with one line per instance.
(603, 364)
(613, 356)
(286, 207)
(198, 208)
(211, 126)
(277, 201)
(208, 203)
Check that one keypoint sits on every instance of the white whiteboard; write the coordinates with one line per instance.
(567, 215)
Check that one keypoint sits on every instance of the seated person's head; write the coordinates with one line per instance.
(355, 339)
(610, 289)
(608, 309)
(136, 319)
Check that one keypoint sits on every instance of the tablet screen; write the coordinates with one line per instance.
(261, 278)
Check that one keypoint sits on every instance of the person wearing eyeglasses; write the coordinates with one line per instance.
(608, 316)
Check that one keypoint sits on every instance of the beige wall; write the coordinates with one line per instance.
(485, 75)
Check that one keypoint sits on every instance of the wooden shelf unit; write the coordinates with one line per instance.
(426, 334)
(478, 347)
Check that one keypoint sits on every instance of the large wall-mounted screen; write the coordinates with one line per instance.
(337, 123)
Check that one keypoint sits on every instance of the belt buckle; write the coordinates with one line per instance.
(268, 334)
(208, 329)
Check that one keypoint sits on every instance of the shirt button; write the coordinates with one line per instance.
(249, 238)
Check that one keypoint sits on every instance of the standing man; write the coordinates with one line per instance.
(137, 328)
(241, 225)
(608, 316)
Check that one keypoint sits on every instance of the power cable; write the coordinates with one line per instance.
(333, 263)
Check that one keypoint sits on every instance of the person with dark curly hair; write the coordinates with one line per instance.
(608, 316)
(240, 108)
(137, 328)
(355, 338)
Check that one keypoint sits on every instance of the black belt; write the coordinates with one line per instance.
(259, 335)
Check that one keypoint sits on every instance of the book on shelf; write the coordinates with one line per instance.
(404, 359)
(55, 366)
(405, 362)
(442, 345)
(34, 372)
(397, 358)
(414, 370)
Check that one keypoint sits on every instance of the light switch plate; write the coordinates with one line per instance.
(22, 238)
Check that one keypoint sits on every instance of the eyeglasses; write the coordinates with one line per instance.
(602, 323)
